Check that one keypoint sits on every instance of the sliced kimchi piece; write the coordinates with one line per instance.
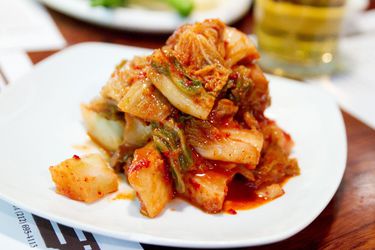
(170, 140)
(136, 132)
(248, 88)
(190, 70)
(144, 101)
(125, 74)
(185, 93)
(225, 144)
(103, 124)
(238, 47)
(150, 178)
(270, 192)
(130, 89)
(86, 178)
(208, 189)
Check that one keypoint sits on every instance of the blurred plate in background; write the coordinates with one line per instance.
(148, 20)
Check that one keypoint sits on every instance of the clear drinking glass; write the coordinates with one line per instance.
(298, 38)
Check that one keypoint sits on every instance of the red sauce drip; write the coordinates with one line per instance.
(241, 195)
(76, 157)
(232, 211)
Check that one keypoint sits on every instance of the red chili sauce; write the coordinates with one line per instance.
(241, 195)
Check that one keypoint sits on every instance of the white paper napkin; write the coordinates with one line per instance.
(13, 64)
(25, 25)
(22, 230)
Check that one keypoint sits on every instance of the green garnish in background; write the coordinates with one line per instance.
(183, 7)
(108, 3)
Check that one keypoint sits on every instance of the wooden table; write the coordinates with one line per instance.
(348, 222)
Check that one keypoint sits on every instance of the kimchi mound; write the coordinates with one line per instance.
(188, 121)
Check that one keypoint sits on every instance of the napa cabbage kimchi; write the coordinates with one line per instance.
(185, 121)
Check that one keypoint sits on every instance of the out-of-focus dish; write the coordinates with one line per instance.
(154, 18)
(40, 123)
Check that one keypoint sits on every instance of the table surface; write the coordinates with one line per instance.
(348, 222)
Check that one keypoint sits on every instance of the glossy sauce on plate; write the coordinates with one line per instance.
(242, 196)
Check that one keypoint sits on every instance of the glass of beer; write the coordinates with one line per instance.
(298, 38)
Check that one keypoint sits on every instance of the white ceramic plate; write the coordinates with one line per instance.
(147, 20)
(40, 123)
